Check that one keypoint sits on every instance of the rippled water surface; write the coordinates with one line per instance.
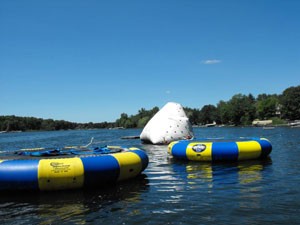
(169, 191)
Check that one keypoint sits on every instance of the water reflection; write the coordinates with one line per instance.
(238, 182)
(75, 206)
(244, 172)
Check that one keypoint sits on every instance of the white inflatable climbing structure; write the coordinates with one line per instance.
(168, 124)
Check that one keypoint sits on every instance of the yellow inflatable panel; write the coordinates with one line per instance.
(248, 150)
(205, 155)
(58, 174)
(130, 165)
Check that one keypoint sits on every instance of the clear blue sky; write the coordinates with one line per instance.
(90, 61)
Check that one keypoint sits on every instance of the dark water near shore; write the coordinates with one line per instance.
(169, 191)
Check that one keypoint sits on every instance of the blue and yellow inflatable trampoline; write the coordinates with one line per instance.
(220, 149)
(59, 169)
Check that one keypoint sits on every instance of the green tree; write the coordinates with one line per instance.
(143, 121)
(208, 114)
(242, 109)
(223, 110)
(290, 101)
(193, 115)
(122, 120)
(266, 106)
(48, 124)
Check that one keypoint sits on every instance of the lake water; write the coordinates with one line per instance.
(169, 191)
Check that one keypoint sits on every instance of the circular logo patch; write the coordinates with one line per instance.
(199, 148)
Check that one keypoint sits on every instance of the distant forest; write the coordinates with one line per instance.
(240, 110)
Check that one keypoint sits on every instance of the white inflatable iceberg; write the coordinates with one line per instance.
(168, 124)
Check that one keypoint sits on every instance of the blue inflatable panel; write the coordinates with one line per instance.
(225, 151)
(143, 156)
(100, 170)
(179, 150)
(19, 174)
(266, 147)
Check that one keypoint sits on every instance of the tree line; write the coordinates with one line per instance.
(240, 110)
(17, 123)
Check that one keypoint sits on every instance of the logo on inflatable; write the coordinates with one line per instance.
(199, 148)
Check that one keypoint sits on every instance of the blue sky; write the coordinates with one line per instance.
(90, 61)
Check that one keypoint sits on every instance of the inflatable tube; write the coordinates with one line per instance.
(70, 169)
(167, 125)
(220, 149)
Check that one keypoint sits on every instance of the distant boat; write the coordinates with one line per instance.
(211, 124)
(295, 124)
(260, 123)
(268, 128)
(130, 137)
(116, 128)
